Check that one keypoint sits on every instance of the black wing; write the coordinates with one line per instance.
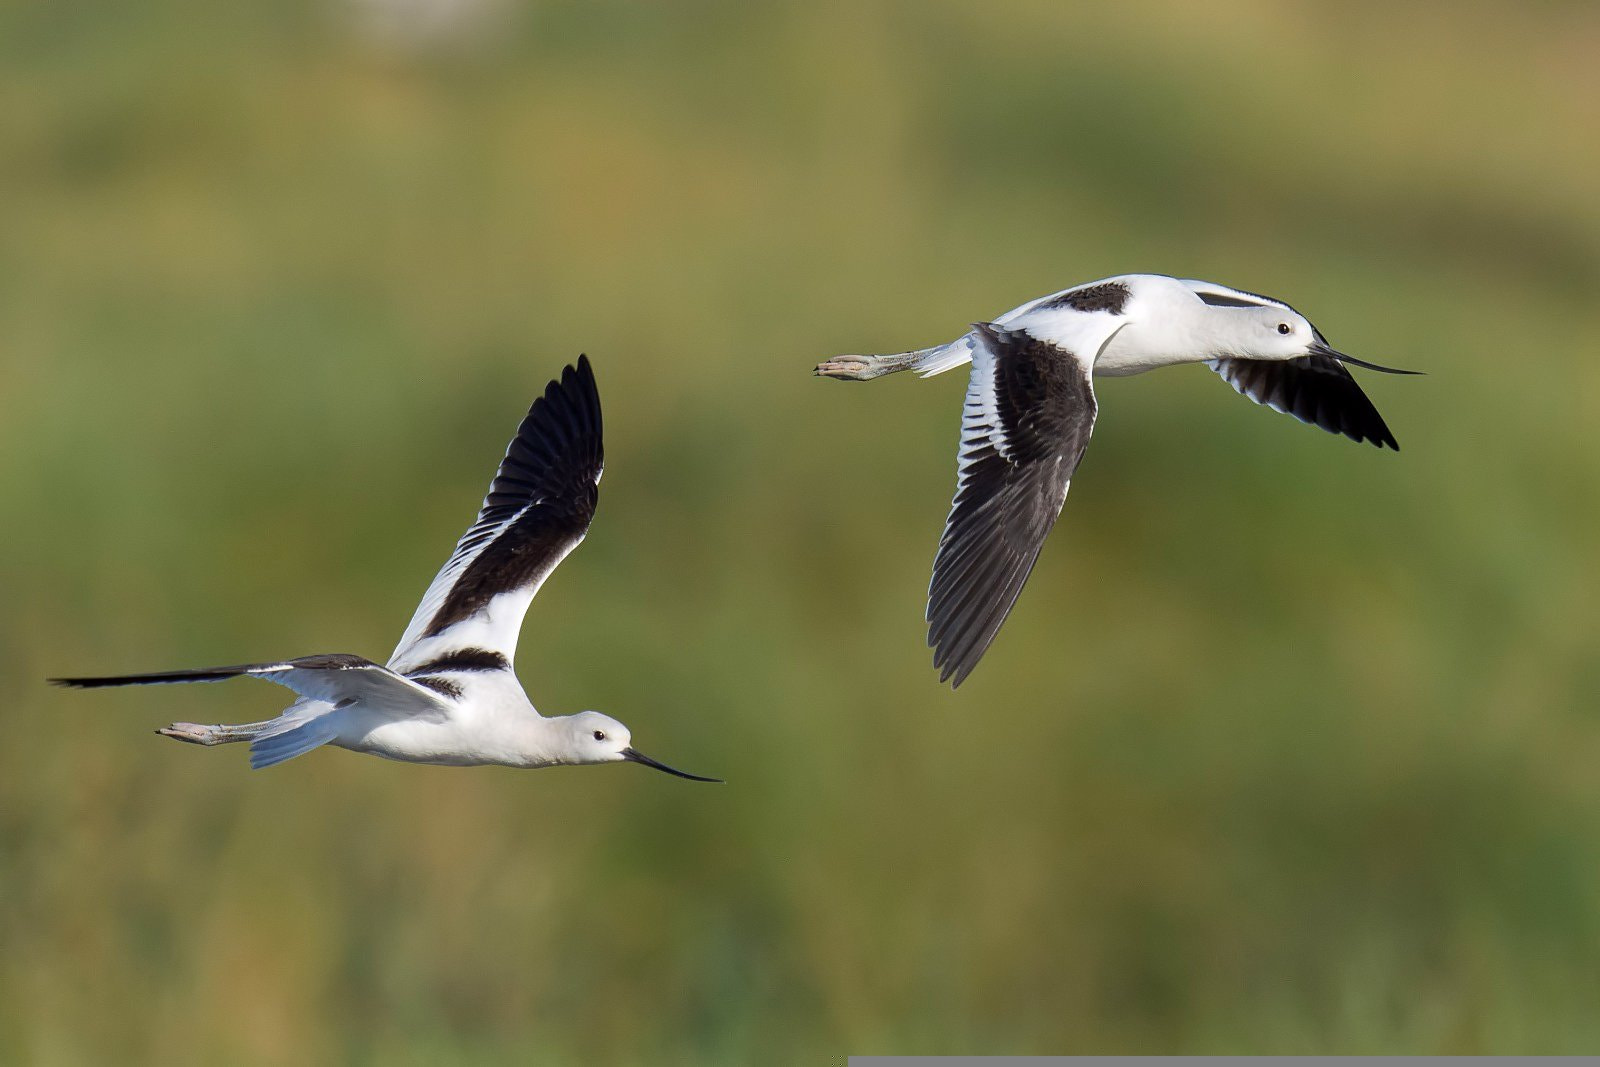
(538, 509)
(1029, 411)
(1314, 389)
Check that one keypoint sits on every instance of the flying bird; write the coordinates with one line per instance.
(1030, 408)
(448, 694)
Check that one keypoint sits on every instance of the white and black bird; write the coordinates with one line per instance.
(1030, 408)
(448, 694)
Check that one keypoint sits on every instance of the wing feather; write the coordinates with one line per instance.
(1029, 411)
(537, 510)
(1317, 390)
(332, 679)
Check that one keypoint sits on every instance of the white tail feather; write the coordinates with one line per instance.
(301, 737)
(930, 361)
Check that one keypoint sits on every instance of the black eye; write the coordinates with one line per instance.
(599, 735)
(1284, 327)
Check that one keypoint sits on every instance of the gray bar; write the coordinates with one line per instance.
(1168, 1061)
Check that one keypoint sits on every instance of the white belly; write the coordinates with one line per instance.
(1136, 349)
(1119, 365)
(466, 739)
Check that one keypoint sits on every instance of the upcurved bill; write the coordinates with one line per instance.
(633, 755)
(1319, 347)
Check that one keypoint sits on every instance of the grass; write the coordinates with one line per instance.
(1289, 746)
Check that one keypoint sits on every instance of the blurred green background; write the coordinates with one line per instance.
(1290, 746)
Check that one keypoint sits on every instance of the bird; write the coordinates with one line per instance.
(1030, 408)
(448, 695)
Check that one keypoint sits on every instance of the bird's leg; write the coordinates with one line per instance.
(865, 368)
(195, 734)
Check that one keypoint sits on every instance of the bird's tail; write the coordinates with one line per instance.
(930, 361)
(296, 737)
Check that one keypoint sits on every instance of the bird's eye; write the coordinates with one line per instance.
(1285, 328)
(599, 735)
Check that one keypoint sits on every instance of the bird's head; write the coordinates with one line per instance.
(1270, 333)
(1281, 333)
(596, 738)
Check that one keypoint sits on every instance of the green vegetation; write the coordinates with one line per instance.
(1291, 745)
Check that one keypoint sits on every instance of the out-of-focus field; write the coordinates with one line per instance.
(1291, 745)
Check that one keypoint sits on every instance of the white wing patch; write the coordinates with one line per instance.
(372, 686)
(537, 510)
(980, 416)
(472, 544)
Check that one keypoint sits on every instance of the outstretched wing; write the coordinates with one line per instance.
(334, 679)
(1029, 411)
(538, 509)
(1314, 389)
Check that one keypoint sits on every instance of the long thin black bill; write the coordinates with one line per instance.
(636, 756)
(1323, 350)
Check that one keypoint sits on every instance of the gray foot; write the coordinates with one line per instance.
(862, 368)
(194, 733)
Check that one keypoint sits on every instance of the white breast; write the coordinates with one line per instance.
(492, 722)
(1130, 353)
